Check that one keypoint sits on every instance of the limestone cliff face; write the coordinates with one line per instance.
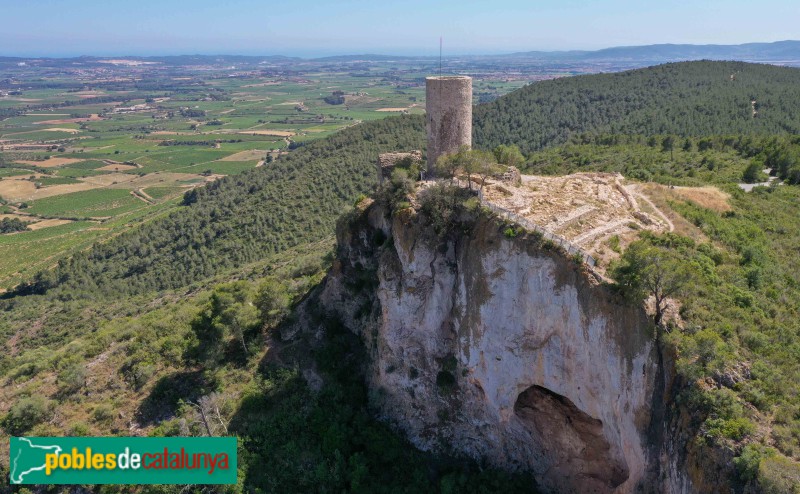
(504, 351)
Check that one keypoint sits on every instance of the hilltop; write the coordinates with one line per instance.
(686, 99)
(199, 306)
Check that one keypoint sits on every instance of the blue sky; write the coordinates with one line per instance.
(317, 27)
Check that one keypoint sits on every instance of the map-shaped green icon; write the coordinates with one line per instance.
(28, 457)
(122, 460)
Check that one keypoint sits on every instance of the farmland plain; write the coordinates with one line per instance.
(89, 149)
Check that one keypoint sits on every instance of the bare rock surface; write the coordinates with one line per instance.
(494, 349)
(506, 351)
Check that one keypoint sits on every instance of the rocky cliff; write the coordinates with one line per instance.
(492, 344)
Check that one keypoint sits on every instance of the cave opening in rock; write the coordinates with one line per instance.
(570, 441)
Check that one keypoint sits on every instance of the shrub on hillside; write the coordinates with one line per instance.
(26, 413)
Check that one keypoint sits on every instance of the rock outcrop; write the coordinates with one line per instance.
(496, 346)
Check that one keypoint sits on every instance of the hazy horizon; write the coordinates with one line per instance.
(250, 27)
(335, 53)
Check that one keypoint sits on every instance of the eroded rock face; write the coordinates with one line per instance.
(497, 349)
(571, 440)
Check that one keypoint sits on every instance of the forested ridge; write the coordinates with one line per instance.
(685, 99)
(298, 198)
(240, 219)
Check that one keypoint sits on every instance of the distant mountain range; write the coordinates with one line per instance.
(779, 51)
(766, 52)
(749, 52)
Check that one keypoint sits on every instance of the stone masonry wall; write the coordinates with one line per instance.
(449, 115)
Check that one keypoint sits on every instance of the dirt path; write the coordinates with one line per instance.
(140, 194)
(603, 230)
(145, 194)
(646, 199)
(129, 163)
(14, 209)
(749, 187)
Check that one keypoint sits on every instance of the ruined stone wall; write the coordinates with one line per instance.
(387, 161)
(449, 115)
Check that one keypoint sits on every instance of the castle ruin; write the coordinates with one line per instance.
(387, 162)
(449, 115)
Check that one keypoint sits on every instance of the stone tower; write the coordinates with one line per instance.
(449, 115)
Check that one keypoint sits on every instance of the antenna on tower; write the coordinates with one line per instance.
(440, 56)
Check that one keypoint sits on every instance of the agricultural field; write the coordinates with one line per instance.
(91, 204)
(87, 150)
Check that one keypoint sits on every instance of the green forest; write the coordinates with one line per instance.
(669, 160)
(186, 311)
(239, 219)
(685, 99)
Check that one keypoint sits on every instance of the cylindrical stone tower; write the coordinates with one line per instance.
(448, 103)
